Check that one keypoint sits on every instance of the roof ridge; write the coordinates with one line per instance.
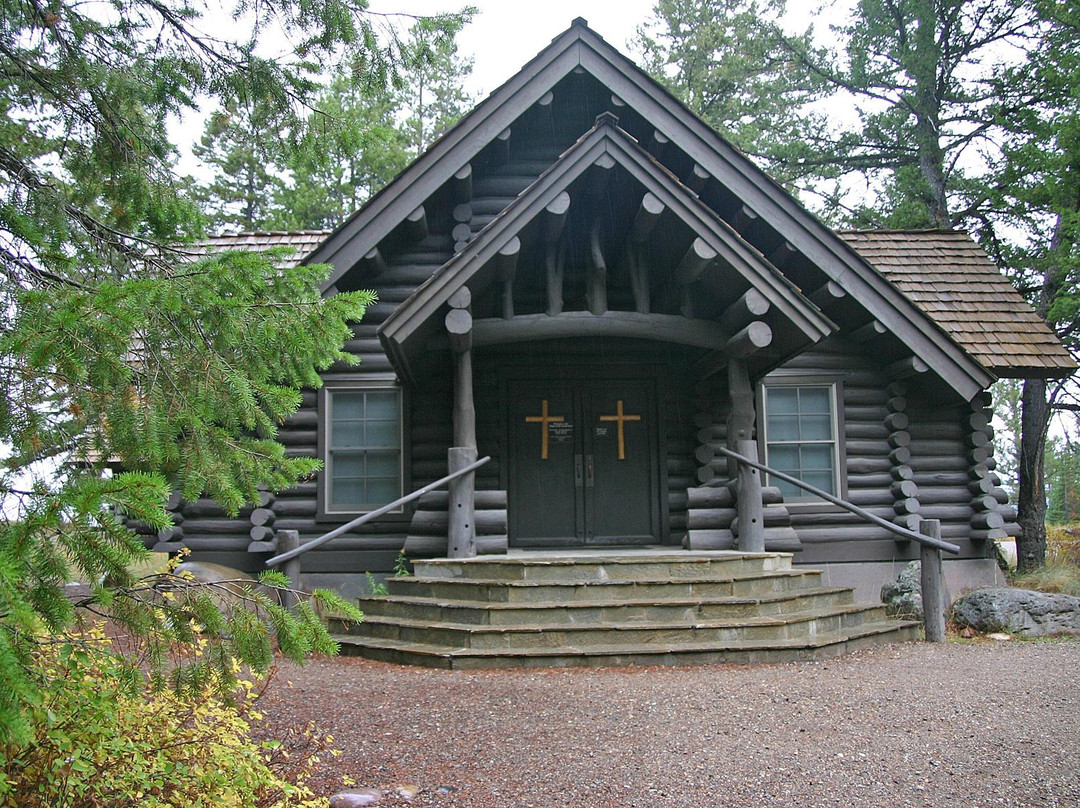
(299, 231)
(922, 231)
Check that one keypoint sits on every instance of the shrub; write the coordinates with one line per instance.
(1063, 544)
(1062, 570)
(103, 737)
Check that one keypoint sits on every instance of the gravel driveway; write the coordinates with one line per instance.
(975, 724)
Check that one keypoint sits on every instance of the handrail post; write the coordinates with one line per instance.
(933, 583)
(289, 540)
(751, 511)
(397, 504)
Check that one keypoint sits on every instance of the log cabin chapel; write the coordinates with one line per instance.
(586, 283)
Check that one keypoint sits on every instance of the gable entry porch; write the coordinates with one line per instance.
(581, 377)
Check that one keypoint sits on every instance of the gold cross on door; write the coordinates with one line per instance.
(620, 419)
(545, 420)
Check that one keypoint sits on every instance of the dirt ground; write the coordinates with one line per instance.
(964, 724)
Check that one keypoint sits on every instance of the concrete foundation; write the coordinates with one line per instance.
(350, 585)
(867, 578)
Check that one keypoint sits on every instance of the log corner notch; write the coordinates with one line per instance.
(461, 538)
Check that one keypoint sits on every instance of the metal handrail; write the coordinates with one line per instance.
(855, 509)
(367, 517)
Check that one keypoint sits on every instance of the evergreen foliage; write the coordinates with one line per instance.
(434, 97)
(727, 61)
(358, 137)
(359, 148)
(242, 150)
(122, 347)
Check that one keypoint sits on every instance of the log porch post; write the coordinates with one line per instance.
(461, 539)
(740, 436)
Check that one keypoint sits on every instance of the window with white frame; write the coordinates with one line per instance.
(800, 427)
(362, 448)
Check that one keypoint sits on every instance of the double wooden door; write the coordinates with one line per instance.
(582, 463)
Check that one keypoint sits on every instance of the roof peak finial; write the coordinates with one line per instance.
(580, 21)
(607, 118)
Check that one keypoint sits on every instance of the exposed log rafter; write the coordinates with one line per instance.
(555, 215)
(374, 263)
(462, 184)
(416, 224)
(645, 221)
(828, 295)
(697, 258)
(507, 268)
(596, 285)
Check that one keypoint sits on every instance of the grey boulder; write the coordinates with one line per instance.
(903, 597)
(1018, 611)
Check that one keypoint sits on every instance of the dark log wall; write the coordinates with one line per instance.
(247, 540)
(712, 515)
(907, 457)
(676, 412)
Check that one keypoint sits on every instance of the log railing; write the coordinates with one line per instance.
(929, 539)
(299, 550)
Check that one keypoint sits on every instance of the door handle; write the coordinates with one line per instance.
(579, 474)
(589, 477)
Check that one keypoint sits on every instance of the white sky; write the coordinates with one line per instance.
(508, 33)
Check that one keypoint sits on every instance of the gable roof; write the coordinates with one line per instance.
(580, 48)
(951, 279)
(802, 322)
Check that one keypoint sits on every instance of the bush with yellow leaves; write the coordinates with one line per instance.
(104, 737)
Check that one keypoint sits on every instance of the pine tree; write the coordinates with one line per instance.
(727, 61)
(355, 147)
(242, 149)
(434, 98)
(120, 346)
(1036, 193)
(362, 136)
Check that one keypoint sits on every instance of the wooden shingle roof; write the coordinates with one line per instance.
(950, 278)
(302, 242)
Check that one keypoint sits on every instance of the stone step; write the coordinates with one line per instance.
(822, 646)
(580, 637)
(605, 567)
(604, 591)
(630, 611)
(599, 607)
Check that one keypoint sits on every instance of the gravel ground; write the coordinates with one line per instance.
(964, 724)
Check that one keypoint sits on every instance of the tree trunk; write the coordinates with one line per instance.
(1034, 423)
(1031, 501)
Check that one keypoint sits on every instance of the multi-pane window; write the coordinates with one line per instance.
(800, 436)
(363, 449)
